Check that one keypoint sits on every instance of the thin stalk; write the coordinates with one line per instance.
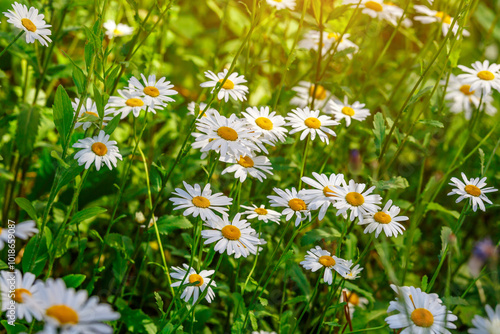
(13, 41)
(304, 160)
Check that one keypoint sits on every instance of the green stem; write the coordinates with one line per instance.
(304, 159)
(13, 41)
(313, 297)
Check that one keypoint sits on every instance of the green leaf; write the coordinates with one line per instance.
(112, 125)
(159, 302)
(481, 158)
(86, 214)
(68, 175)
(432, 122)
(74, 280)
(264, 302)
(415, 98)
(17, 328)
(437, 207)
(313, 236)
(167, 224)
(63, 113)
(27, 129)
(379, 130)
(79, 79)
(29, 262)
(397, 182)
(445, 238)
(423, 285)
(3, 265)
(27, 206)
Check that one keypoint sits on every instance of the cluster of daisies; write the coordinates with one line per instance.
(62, 309)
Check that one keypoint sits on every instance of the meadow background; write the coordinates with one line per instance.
(396, 72)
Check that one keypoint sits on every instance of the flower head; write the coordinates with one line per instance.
(154, 93)
(89, 115)
(433, 16)
(189, 276)
(242, 166)
(474, 189)
(117, 30)
(24, 285)
(23, 230)
(268, 124)
(318, 258)
(322, 195)
(128, 102)
(99, 150)
(347, 111)
(232, 86)
(488, 325)
(483, 77)
(310, 122)
(282, 4)
(353, 197)
(386, 220)
(261, 213)
(305, 93)
(31, 22)
(295, 204)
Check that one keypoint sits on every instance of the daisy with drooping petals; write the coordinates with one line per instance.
(482, 76)
(386, 220)
(242, 166)
(89, 114)
(23, 230)
(318, 258)
(434, 16)
(14, 288)
(310, 122)
(353, 272)
(202, 108)
(377, 9)
(487, 326)
(419, 312)
(351, 197)
(322, 196)
(232, 86)
(224, 135)
(128, 102)
(295, 203)
(99, 150)
(282, 4)
(267, 123)
(234, 237)
(190, 276)
(353, 301)
(117, 30)
(313, 38)
(153, 93)
(68, 311)
(200, 202)
(474, 189)
(305, 92)
(261, 213)
(347, 111)
(31, 22)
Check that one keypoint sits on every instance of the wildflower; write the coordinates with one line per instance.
(310, 122)
(153, 93)
(23, 286)
(487, 326)
(89, 110)
(31, 22)
(282, 4)
(305, 92)
(268, 124)
(234, 237)
(377, 9)
(313, 38)
(322, 196)
(128, 102)
(200, 202)
(99, 150)
(347, 111)
(22, 231)
(232, 86)
(474, 189)
(353, 301)
(200, 279)
(318, 258)
(353, 272)
(386, 220)
(482, 76)
(351, 197)
(295, 204)
(117, 30)
(242, 166)
(261, 213)
(203, 107)
(433, 16)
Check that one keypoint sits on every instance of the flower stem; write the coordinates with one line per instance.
(13, 41)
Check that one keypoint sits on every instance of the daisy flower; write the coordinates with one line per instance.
(232, 86)
(487, 326)
(68, 311)
(153, 93)
(474, 189)
(377, 9)
(117, 30)
(282, 4)
(305, 92)
(99, 150)
(200, 202)
(295, 204)
(351, 197)
(190, 276)
(261, 213)
(482, 76)
(353, 301)
(386, 220)
(310, 122)
(434, 16)
(462, 99)
(352, 274)
(22, 231)
(31, 22)
(192, 107)
(225, 135)
(347, 111)
(128, 102)
(318, 258)
(267, 123)
(242, 166)
(22, 286)
(234, 237)
(322, 196)
(90, 109)
(419, 312)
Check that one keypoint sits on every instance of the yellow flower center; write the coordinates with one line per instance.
(328, 192)
(30, 26)
(422, 317)
(151, 91)
(196, 278)
(264, 123)
(348, 111)
(472, 190)
(134, 102)
(228, 84)
(99, 148)
(92, 113)
(231, 232)
(227, 133)
(201, 202)
(382, 218)
(117, 32)
(246, 162)
(18, 295)
(334, 35)
(327, 261)
(353, 298)
(296, 204)
(374, 6)
(278, 0)
(354, 198)
(444, 17)
(320, 92)
(313, 123)
(260, 211)
(486, 75)
(64, 314)
(465, 89)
